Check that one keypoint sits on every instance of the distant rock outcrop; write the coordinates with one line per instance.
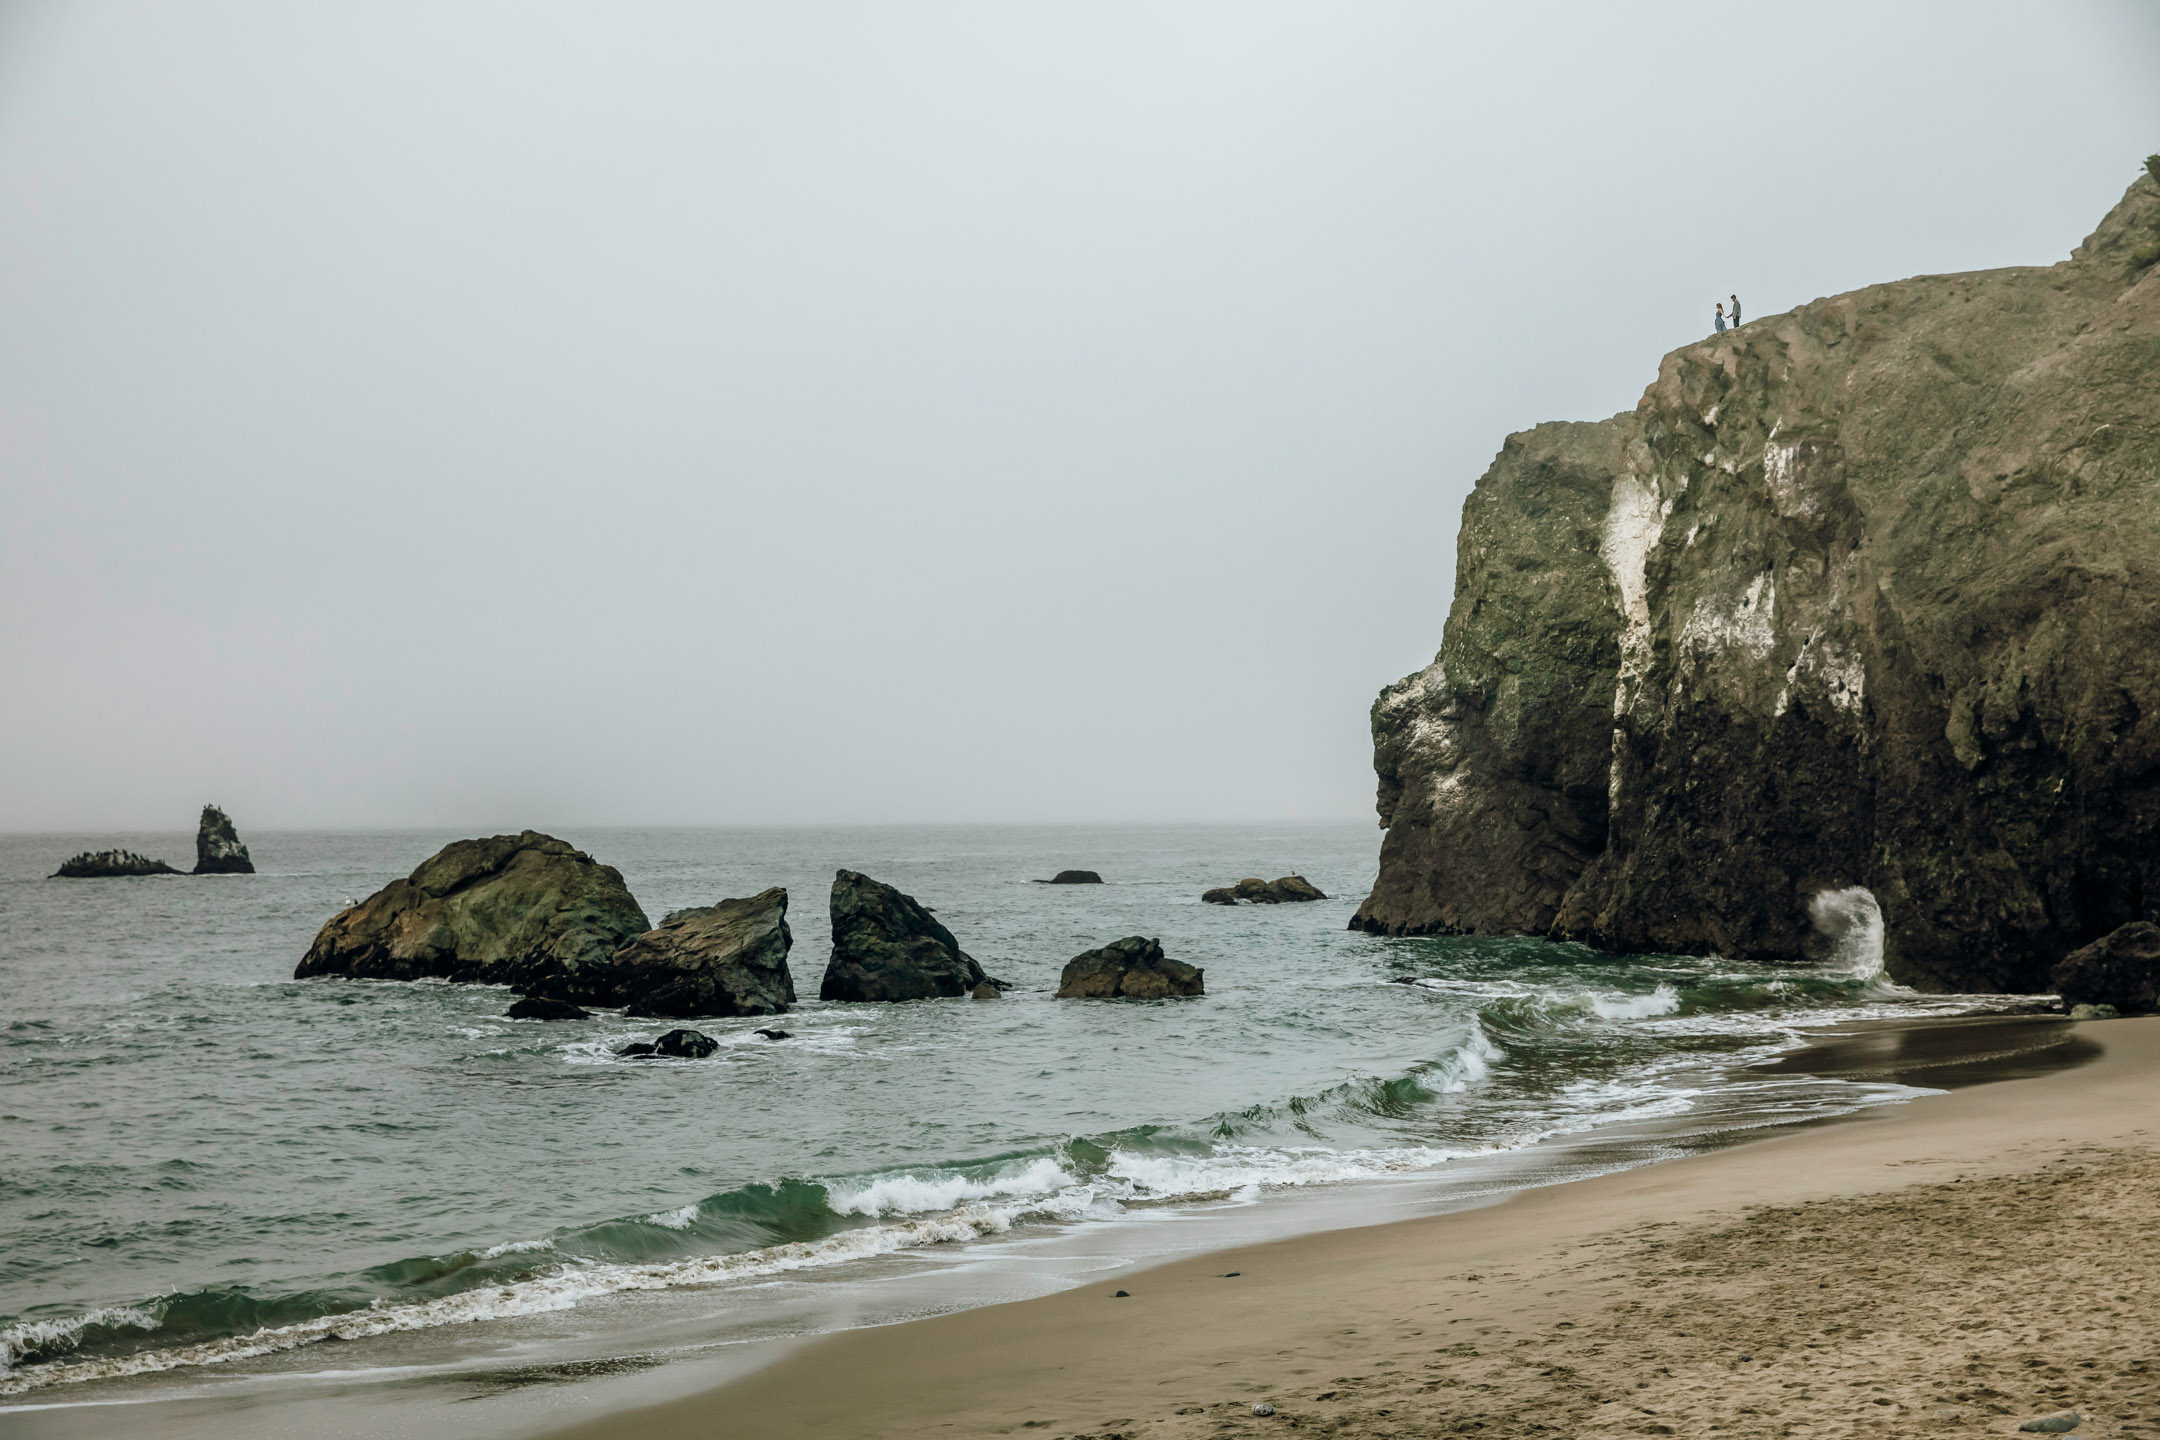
(218, 850)
(110, 865)
(1130, 969)
(523, 910)
(887, 947)
(1290, 889)
(1073, 877)
(1862, 595)
(725, 959)
(2121, 968)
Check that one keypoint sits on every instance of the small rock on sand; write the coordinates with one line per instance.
(1263, 1409)
(2060, 1423)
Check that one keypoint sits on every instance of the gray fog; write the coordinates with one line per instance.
(483, 415)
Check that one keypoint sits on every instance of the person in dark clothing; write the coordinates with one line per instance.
(1721, 317)
(1735, 312)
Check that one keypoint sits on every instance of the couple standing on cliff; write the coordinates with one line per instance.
(1735, 314)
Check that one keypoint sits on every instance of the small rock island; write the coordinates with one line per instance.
(1134, 968)
(888, 947)
(218, 850)
(110, 865)
(1289, 890)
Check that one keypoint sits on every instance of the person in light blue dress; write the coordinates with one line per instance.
(1721, 317)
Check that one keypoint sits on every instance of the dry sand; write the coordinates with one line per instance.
(1952, 1266)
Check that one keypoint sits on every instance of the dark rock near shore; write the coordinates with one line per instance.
(110, 865)
(774, 1034)
(218, 850)
(1862, 595)
(1073, 877)
(1290, 889)
(724, 959)
(539, 1007)
(2121, 968)
(888, 947)
(1133, 968)
(685, 1045)
(523, 910)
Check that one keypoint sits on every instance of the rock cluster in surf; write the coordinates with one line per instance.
(1290, 889)
(218, 851)
(1862, 595)
(724, 959)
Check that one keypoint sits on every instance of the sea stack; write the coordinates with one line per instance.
(724, 959)
(218, 850)
(888, 947)
(525, 910)
(1862, 595)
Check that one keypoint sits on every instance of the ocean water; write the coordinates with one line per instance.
(205, 1164)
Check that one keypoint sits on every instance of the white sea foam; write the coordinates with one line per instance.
(674, 1219)
(1662, 1001)
(914, 1193)
(33, 1336)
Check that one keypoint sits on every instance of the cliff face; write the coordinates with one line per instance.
(1864, 594)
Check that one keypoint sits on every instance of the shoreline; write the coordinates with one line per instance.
(616, 1372)
(1361, 1330)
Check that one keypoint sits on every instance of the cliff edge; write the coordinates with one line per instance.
(1866, 594)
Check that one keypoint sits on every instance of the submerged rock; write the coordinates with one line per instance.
(1130, 969)
(724, 959)
(218, 850)
(1073, 877)
(987, 990)
(1862, 595)
(109, 865)
(636, 1049)
(523, 910)
(774, 1034)
(686, 1045)
(888, 947)
(539, 1007)
(2121, 969)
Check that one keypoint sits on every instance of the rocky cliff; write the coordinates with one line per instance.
(1862, 595)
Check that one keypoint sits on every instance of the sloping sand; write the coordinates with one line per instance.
(1948, 1267)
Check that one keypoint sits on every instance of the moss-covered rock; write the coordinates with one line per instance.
(1864, 594)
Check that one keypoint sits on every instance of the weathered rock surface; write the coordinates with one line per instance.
(1073, 877)
(686, 1044)
(109, 865)
(1130, 969)
(218, 850)
(2121, 968)
(523, 910)
(1867, 594)
(1254, 891)
(539, 1007)
(887, 947)
(724, 959)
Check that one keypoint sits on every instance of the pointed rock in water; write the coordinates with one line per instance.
(724, 959)
(1073, 877)
(2121, 969)
(109, 865)
(218, 850)
(888, 947)
(1130, 969)
(523, 910)
(686, 1044)
(536, 1007)
(1824, 610)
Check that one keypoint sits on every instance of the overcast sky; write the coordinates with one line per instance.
(483, 415)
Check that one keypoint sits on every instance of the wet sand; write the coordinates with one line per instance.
(1951, 1266)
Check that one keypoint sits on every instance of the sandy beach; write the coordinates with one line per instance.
(1952, 1266)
